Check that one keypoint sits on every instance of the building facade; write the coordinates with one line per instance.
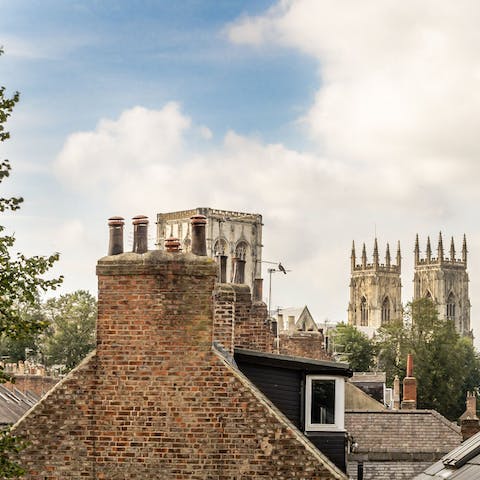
(375, 290)
(234, 240)
(444, 280)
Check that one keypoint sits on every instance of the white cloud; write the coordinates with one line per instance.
(147, 161)
(398, 80)
(395, 116)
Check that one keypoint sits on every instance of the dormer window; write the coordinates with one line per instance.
(324, 403)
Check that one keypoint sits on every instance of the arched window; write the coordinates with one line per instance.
(220, 252)
(241, 251)
(385, 311)
(451, 306)
(220, 247)
(363, 312)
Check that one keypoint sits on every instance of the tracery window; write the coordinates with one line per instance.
(451, 306)
(385, 311)
(363, 312)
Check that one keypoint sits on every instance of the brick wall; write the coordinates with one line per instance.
(155, 400)
(37, 384)
(303, 344)
(251, 328)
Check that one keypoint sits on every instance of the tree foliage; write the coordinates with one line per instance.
(446, 365)
(354, 347)
(70, 335)
(21, 278)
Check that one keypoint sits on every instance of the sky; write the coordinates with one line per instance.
(337, 120)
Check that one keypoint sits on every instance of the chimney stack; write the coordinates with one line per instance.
(469, 422)
(396, 393)
(409, 401)
(140, 234)
(199, 242)
(115, 244)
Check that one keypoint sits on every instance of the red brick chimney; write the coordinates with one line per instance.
(469, 422)
(409, 401)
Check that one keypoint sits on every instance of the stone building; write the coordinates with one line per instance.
(234, 239)
(299, 335)
(375, 290)
(445, 281)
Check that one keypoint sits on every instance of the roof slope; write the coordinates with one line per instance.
(14, 403)
(414, 434)
(462, 463)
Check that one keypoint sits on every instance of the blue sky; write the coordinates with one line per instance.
(336, 120)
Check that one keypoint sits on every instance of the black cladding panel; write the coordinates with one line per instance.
(284, 388)
(281, 386)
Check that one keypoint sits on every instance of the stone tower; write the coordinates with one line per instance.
(375, 290)
(445, 281)
(234, 240)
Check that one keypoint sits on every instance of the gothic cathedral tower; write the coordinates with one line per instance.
(445, 281)
(375, 291)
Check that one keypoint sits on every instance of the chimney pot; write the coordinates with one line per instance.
(140, 234)
(115, 244)
(258, 289)
(172, 244)
(199, 243)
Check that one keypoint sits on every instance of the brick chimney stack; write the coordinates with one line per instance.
(409, 401)
(469, 422)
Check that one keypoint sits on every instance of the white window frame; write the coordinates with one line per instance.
(339, 404)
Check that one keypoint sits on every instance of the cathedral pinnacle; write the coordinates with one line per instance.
(464, 249)
(440, 248)
(452, 251)
(353, 256)
(364, 256)
(387, 256)
(399, 256)
(375, 253)
(417, 251)
(429, 250)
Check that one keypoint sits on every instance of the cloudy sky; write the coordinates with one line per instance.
(337, 120)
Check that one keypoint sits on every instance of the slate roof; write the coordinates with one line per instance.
(14, 404)
(404, 435)
(367, 377)
(462, 463)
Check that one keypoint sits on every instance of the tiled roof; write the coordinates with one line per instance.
(462, 463)
(417, 435)
(388, 470)
(13, 404)
(362, 377)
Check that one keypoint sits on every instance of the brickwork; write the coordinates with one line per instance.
(303, 344)
(251, 328)
(155, 400)
(32, 383)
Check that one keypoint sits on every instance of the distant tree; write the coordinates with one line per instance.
(70, 335)
(21, 279)
(445, 364)
(25, 345)
(354, 347)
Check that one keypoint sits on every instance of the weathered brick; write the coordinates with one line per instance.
(156, 400)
